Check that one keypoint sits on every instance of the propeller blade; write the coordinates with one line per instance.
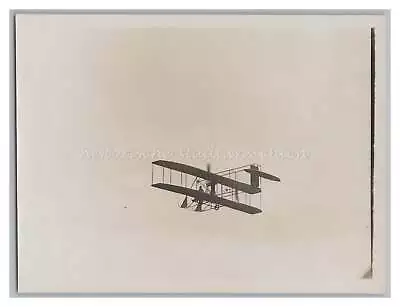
(210, 183)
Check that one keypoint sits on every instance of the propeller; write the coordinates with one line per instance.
(212, 184)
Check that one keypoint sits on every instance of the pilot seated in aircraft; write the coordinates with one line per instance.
(199, 202)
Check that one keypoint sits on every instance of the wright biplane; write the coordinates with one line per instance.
(205, 190)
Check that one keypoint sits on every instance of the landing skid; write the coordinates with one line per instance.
(196, 206)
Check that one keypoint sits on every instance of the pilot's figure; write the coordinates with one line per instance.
(199, 202)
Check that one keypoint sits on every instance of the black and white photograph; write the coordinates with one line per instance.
(201, 154)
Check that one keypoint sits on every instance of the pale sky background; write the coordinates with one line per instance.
(132, 85)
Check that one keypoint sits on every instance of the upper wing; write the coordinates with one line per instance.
(194, 171)
(207, 197)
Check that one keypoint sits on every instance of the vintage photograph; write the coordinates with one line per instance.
(201, 154)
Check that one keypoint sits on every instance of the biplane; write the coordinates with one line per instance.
(204, 190)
